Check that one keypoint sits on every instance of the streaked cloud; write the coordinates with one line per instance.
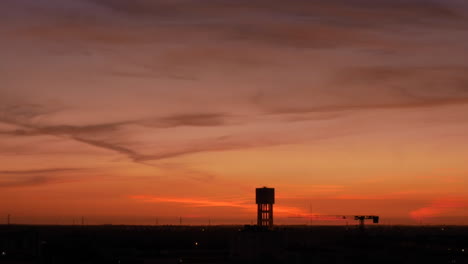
(191, 202)
(40, 171)
(29, 181)
(247, 205)
(440, 208)
(37, 177)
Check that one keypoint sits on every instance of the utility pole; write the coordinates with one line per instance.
(310, 222)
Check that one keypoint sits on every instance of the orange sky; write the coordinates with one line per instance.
(141, 111)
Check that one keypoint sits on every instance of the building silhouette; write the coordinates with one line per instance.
(265, 198)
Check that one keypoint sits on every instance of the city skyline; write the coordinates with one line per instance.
(129, 111)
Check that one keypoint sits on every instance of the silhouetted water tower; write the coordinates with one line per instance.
(265, 198)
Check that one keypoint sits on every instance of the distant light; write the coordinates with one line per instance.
(203, 230)
(463, 250)
(196, 243)
(3, 253)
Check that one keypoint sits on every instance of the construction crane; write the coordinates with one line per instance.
(361, 218)
(375, 219)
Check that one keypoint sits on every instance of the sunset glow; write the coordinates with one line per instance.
(124, 112)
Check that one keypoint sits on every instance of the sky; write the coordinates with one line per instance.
(145, 111)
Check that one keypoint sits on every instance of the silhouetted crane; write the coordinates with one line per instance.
(361, 218)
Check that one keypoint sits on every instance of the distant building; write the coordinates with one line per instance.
(265, 198)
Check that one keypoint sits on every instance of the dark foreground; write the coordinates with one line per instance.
(232, 244)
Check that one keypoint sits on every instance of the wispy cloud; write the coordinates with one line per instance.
(25, 182)
(192, 202)
(22, 117)
(363, 107)
(32, 181)
(110, 136)
(247, 205)
(31, 178)
(18, 111)
(380, 88)
(440, 207)
(342, 23)
(39, 171)
(191, 119)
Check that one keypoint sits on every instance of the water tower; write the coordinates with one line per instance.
(265, 198)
